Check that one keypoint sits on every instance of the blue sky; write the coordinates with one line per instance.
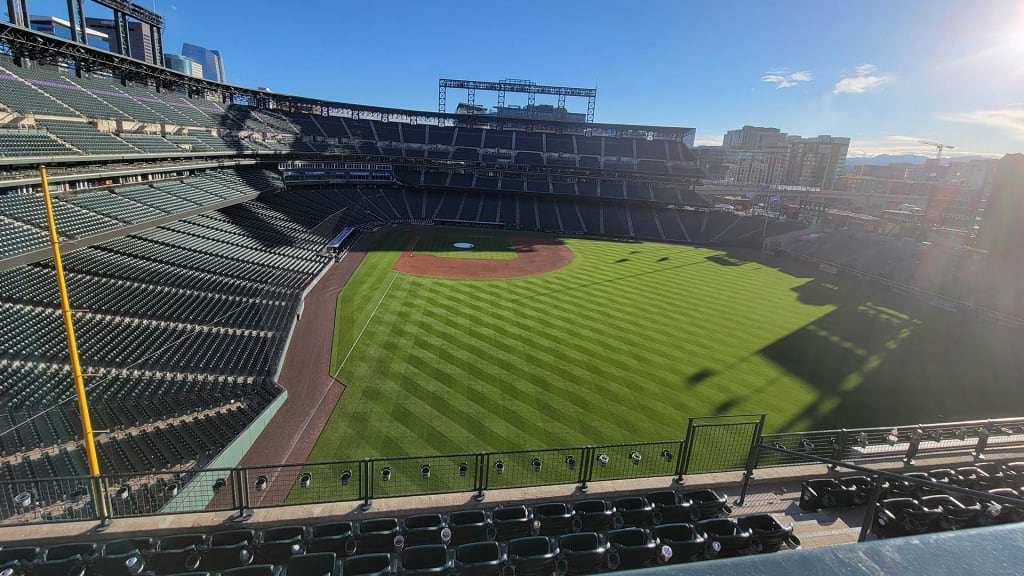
(885, 73)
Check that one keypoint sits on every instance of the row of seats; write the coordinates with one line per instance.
(467, 541)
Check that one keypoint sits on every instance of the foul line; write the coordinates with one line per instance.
(394, 276)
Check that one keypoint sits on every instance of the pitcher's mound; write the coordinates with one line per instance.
(534, 255)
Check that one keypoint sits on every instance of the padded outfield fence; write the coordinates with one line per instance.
(718, 444)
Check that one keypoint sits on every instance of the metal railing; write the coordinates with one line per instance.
(719, 444)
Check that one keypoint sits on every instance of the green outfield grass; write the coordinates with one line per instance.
(630, 340)
(485, 246)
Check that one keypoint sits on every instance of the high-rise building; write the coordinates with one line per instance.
(184, 65)
(61, 28)
(754, 138)
(814, 162)
(140, 38)
(1002, 228)
(211, 60)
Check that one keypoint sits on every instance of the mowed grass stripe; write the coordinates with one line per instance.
(622, 345)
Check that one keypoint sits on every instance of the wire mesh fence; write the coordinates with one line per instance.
(412, 475)
(522, 468)
(637, 460)
(721, 444)
(46, 500)
(145, 494)
(268, 486)
(824, 443)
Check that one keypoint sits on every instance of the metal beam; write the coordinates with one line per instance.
(124, 45)
(520, 87)
(134, 10)
(76, 21)
(25, 43)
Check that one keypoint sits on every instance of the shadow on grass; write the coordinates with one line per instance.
(882, 358)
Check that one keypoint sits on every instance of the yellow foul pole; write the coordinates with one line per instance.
(76, 368)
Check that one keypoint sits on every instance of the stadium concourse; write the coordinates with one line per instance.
(194, 220)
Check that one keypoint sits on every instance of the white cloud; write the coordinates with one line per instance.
(868, 79)
(899, 144)
(1009, 119)
(782, 79)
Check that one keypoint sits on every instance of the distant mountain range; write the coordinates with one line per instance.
(884, 159)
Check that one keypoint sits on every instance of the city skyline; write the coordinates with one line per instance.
(886, 75)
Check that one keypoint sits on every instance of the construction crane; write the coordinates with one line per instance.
(939, 147)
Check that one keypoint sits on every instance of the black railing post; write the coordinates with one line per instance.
(485, 476)
(102, 509)
(366, 482)
(752, 455)
(983, 435)
(872, 505)
(690, 434)
(240, 485)
(478, 475)
(838, 449)
(586, 461)
(680, 461)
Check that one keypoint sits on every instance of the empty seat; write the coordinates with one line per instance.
(636, 548)
(173, 561)
(470, 526)
(512, 522)
(710, 503)
(233, 537)
(377, 535)
(254, 570)
(129, 546)
(687, 542)
(673, 507)
(584, 552)
(181, 541)
(61, 551)
(429, 559)
(424, 529)
(735, 540)
(480, 559)
(219, 558)
(367, 565)
(71, 566)
(767, 535)
(634, 511)
(555, 518)
(277, 545)
(13, 557)
(336, 537)
(319, 564)
(594, 515)
(535, 556)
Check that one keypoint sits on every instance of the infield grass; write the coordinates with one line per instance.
(631, 339)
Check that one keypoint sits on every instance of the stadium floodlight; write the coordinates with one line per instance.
(570, 462)
(425, 471)
(463, 469)
(218, 485)
(385, 474)
(499, 467)
(536, 463)
(123, 492)
(261, 483)
(634, 457)
(346, 476)
(666, 455)
(306, 479)
(602, 460)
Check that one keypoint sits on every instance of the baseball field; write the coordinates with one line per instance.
(515, 341)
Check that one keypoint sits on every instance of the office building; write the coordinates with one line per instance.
(211, 61)
(183, 65)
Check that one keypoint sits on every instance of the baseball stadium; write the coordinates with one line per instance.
(256, 333)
